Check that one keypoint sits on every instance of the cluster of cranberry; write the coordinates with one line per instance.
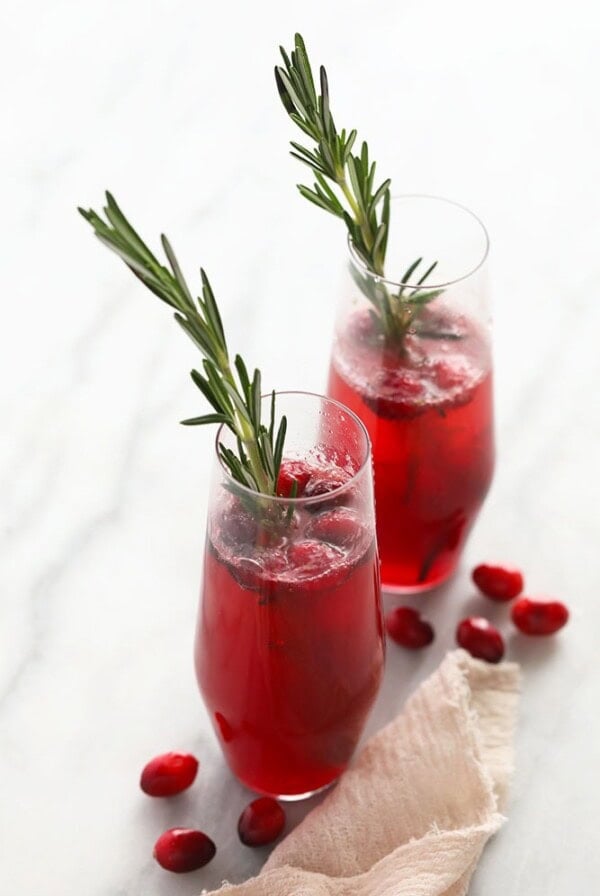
(186, 849)
(476, 634)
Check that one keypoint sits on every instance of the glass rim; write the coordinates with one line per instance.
(358, 261)
(312, 499)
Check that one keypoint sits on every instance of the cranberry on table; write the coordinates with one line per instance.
(407, 627)
(534, 616)
(183, 849)
(498, 582)
(169, 774)
(481, 639)
(261, 822)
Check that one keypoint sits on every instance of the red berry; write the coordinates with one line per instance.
(498, 582)
(261, 822)
(539, 617)
(169, 774)
(310, 558)
(292, 471)
(316, 563)
(398, 393)
(182, 849)
(238, 526)
(406, 627)
(324, 481)
(447, 375)
(339, 527)
(481, 639)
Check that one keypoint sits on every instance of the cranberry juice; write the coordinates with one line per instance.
(427, 406)
(289, 649)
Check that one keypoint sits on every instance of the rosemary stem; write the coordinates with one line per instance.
(332, 159)
(238, 405)
(364, 227)
(343, 183)
(256, 465)
(389, 319)
(247, 437)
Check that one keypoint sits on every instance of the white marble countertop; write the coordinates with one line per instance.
(172, 106)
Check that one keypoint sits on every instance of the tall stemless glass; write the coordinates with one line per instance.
(289, 645)
(425, 399)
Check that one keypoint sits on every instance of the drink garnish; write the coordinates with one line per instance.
(345, 186)
(235, 402)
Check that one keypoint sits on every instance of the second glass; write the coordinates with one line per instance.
(289, 644)
(426, 399)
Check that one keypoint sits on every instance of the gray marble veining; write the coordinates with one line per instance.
(103, 496)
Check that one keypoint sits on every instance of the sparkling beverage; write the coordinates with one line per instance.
(289, 648)
(427, 406)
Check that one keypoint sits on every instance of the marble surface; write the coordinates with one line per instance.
(103, 495)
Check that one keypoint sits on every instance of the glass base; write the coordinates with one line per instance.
(296, 797)
(416, 589)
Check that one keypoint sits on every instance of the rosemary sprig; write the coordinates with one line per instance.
(237, 404)
(345, 186)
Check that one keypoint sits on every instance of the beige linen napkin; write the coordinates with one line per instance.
(412, 815)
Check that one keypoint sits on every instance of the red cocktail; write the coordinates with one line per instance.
(429, 414)
(425, 398)
(289, 650)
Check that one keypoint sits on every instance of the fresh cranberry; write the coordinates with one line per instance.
(292, 471)
(402, 383)
(339, 527)
(238, 526)
(448, 376)
(310, 558)
(169, 774)
(324, 481)
(481, 639)
(316, 565)
(261, 822)
(498, 582)
(183, 849)
(398, 393)
(539, 617)
(407, 627)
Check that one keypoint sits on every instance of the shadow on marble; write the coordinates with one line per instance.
(533, 654)
(497, 612)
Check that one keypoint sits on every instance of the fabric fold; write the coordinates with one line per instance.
(413, 814)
